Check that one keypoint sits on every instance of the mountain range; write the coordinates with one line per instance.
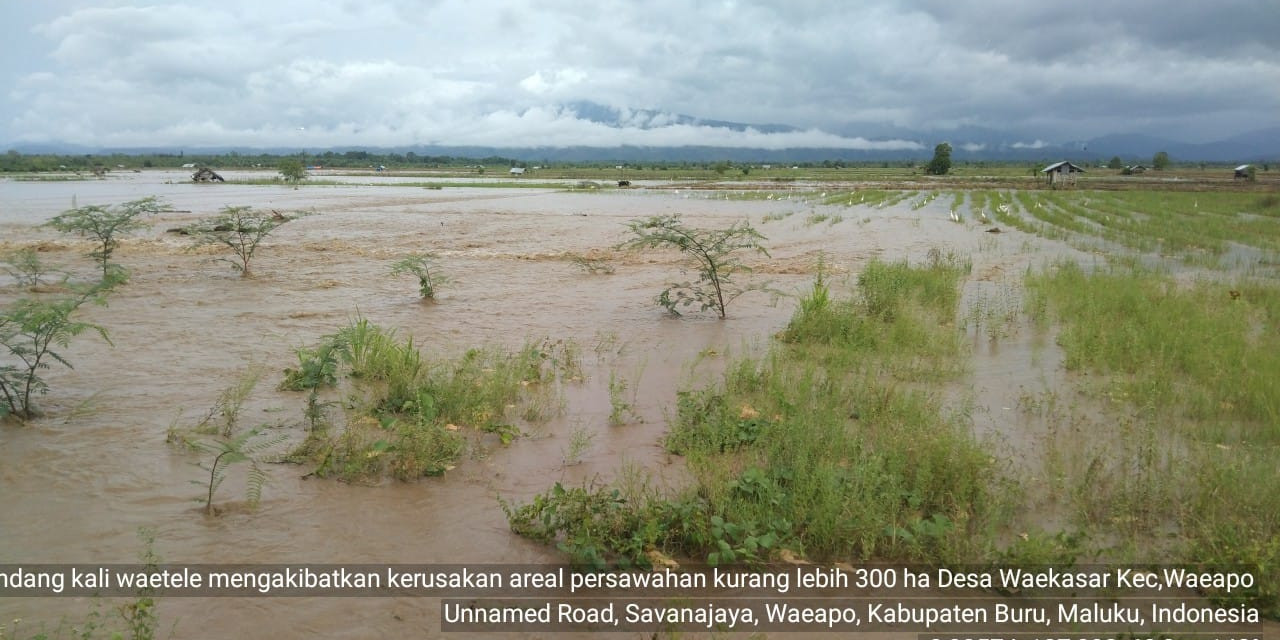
(968, 143)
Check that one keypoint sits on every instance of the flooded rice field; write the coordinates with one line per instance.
(78, 483)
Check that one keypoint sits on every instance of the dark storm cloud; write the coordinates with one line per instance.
(249, 73)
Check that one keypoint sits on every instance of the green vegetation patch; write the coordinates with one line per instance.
(408, 417)
(1189, 371)
(1205, 352)
(815, 448)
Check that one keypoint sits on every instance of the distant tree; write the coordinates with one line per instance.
(1160, 161)
(292, 170)
(720, 167)
(1115, 163)
(941, 162)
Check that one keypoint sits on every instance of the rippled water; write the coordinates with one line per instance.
(77, 484)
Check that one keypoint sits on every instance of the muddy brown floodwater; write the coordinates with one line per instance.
(78, 483)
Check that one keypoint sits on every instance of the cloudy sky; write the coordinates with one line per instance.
(257, 73)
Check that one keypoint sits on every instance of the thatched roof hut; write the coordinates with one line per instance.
(205, 174)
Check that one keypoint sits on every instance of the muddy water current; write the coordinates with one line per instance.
(78, 483)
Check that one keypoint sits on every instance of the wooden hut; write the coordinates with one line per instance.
(205, 174)
(1061, 173)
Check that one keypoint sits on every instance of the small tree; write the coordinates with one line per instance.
(424, 267)
(1116, 163)
(230, 450)
(30, 329)
(26, 268)
(106, 224)
(239, 228)
(1160, 161)
(292, 170)
(714, 251)
(941, 162)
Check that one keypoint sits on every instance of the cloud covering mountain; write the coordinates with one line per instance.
(552, 73)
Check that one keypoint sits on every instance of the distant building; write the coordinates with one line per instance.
(1134, 168)
(1242, 172)
(189, 165)
(516, 171)
(1061, 172)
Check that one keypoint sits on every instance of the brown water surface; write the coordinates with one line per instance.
(78, 483)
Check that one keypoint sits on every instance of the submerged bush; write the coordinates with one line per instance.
(424, 268)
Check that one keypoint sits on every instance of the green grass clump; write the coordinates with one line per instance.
(406, 415)
(904, 314)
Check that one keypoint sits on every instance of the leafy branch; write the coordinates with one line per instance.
(240, 448)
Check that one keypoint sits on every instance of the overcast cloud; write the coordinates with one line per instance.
(500, 73)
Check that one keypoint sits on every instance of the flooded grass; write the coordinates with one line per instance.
(817, 448)
(407, 417)
(1122, 393)
(1187, 371)
(1197, 352)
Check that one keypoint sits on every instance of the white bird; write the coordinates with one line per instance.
(955, 217)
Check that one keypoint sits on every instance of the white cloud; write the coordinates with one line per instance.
(553, 83)
(380, 72)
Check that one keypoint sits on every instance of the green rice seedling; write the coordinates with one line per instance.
(995, 315)
(924, 200)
